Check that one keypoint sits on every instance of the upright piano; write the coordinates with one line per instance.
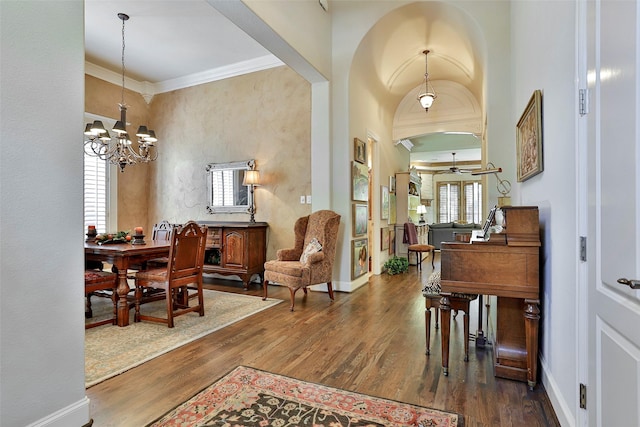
(505, 265)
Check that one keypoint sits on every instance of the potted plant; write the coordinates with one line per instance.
(396, 265)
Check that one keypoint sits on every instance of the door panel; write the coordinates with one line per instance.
(613, 137)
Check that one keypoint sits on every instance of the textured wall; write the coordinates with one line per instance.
(264, 116)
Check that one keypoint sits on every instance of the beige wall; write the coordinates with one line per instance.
(264, 116)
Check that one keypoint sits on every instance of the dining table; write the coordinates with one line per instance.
(122, 256)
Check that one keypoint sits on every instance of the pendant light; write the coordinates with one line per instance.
(427, 97)
(118, 149)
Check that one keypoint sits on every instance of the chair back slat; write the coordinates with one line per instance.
(162, 231)
(186, 256)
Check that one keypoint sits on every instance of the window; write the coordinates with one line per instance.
(473, 202)
(456, 205)
(448, 201)
(96, 193)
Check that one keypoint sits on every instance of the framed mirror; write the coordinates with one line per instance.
(226, 192)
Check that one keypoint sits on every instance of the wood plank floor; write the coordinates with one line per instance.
(370, 341)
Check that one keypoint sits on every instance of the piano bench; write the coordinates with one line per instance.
(431, 293)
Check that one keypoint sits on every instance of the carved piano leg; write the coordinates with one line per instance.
(445, 320)
(531, 321)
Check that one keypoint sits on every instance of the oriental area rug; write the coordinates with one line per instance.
(111, 350)
(250, 397)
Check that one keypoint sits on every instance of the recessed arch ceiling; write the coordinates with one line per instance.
(392, 49)
(392, 53)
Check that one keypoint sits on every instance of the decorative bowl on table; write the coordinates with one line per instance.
(112, 238)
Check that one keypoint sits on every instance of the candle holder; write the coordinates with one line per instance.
(91, 235)
(138, 239)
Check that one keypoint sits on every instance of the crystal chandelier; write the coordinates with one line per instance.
(427, 97)
(118, 149)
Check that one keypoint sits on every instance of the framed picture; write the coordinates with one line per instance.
(392, 184)
(359, 257)
(359, 151)
(360, 219)
(392, 208)
(384, 239)
(360, 182)
(392, 241)
(384, 202)
(529, 139)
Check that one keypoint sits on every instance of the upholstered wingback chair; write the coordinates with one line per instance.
(310, 261)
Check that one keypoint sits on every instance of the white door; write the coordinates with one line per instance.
(613, 199)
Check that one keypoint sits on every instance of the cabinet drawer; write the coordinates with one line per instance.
(214, 237)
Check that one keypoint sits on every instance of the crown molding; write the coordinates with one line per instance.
(148, 89)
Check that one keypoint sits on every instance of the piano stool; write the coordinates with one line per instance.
(458, 302)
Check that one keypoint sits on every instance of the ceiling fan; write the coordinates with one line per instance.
(454, 168)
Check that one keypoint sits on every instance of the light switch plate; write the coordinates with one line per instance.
(309, 199)
(302, 199)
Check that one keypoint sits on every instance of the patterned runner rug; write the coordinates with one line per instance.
(111, 350)
(250, 397)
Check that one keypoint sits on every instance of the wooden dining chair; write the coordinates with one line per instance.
(102, 284)
(161, 231)
(182, 274)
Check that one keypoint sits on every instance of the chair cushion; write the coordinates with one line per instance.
(421, 248)
(289, 268)
(313, 247)
(95, 276)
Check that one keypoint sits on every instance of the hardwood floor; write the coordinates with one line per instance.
(370, 341)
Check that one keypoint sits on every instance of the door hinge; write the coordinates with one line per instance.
(583, 396)
(583, 101)
(583, 248)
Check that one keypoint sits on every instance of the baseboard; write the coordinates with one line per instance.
(560, 405)
(76, 414)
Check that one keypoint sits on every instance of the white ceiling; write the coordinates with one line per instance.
(171, 40)
(164, 40)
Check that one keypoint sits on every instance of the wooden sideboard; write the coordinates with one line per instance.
(236, 248)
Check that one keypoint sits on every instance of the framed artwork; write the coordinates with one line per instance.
(392, 208)
(392, 184)
(384, 202)
(384, 239)
(359, 151)
(360, 182)
(529, 139)
(359, 257)
(392, 241)
(360, 219)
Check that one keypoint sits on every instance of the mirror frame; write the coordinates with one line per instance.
(211, 167)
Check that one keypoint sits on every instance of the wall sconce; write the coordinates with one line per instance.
(503, 185)
(252, 180)
(422, 209)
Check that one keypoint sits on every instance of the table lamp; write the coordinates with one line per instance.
(422, 209)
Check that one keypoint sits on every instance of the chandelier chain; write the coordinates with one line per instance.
(123, 67)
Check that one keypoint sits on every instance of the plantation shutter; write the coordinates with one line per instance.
(472, 202)
(95, 193)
